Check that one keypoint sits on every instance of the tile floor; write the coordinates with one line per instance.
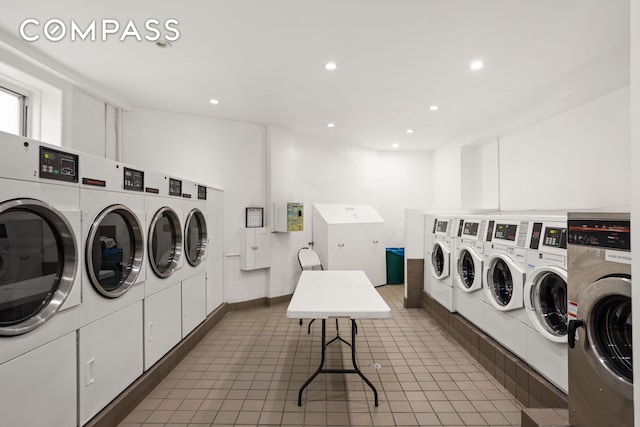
(249, 368)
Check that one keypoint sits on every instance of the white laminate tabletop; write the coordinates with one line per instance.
(321, 294)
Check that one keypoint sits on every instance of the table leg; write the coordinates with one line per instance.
(355, 369)
(315, 374)
(355, 363)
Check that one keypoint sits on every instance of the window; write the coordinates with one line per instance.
(13, 112)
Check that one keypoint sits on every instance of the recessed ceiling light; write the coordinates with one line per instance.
(163, 44)
(395, 145)
(330, 66)
(409, 130)
(214, 101)
(331, 125)
(476, 65)
(434, 108)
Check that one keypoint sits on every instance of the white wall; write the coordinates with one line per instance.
(480, 176)
(578, 159)
(93, 126)
(308, 170)
(447, 173)
(219, 153)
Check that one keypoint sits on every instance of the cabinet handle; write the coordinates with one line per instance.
(375, 241)
(90, 372)
(255, 248)
(186, 308)
(340, 245)
(150, 332)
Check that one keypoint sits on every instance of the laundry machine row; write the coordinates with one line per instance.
(74, 244)
(511, 282)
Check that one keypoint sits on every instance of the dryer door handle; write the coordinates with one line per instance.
(571, 331)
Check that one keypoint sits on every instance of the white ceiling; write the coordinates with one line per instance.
(264, 60)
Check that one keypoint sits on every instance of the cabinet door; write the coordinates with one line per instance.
(261, 242)
(162, 324)
(374, 253)
(194, 297)
(344, 247)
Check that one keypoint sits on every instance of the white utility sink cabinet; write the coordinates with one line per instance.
(350, 237)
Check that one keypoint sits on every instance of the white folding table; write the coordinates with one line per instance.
(323, 294)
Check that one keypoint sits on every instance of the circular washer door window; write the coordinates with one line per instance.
(165, 242)
(114, 252)
(550, 302)
(606, 307)
(437, 259)
(466, 268)
(501, 282)
(195, 241)
(38, 264)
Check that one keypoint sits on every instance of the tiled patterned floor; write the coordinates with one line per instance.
(249, 368)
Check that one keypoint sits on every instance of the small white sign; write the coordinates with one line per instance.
(572, 309)
(618, 256)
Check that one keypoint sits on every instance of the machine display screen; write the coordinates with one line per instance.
(555, 237)
(441, 226)
(535, 236)
(133, 179)
(506, 231)
(600, 233)
(490, 230)
(175, 187)
(470, 229)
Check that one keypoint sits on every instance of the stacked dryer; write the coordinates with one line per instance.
(163, 294)
(545, 298)
(110, 337)
(194, 272)
(504, 274)
(40, 262)
(468, 269)
(440, 247)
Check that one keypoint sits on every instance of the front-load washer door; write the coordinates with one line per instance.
(504, 283)
(545, 297)
(165, 242)
(114, 251)
(469, 271)
(38, 264)
(605, 305)
(440, 261)
(195, 237)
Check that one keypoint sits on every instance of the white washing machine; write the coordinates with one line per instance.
(468, 269)
(545, 299)
(196, 240)
(504, 275)
(164, 209)
(39, 282)
(113, 239)
(441, 255)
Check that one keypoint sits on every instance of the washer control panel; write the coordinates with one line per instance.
(58, 165)
(600, 233)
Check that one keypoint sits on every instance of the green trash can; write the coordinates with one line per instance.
(395, 266)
